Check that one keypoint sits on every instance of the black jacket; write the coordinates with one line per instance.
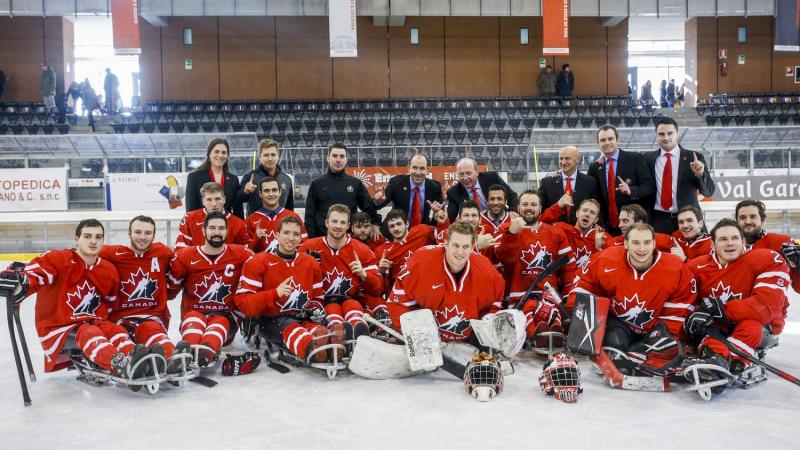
(688, 183)
(398, 193)
(197, 179)
(253, 200)
(331, 188)
(458, 194)
(632, 168)
(551, 189)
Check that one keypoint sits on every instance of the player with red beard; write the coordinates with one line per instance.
(741, 292)
(691, 237)
(190, 230)
(582, 235)
(262, 224)
(209, 276)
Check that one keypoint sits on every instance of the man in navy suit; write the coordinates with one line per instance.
(415, 193)
(474, 186)
(679, 175)
(567, 181)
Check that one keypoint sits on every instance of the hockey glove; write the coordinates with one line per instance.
(15, 284)
(713, 306)
(546, 312)
(315, 255)
(240, 365)
(791, 251)
(697, 324)
(382, 315)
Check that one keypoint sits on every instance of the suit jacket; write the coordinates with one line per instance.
(688, 183)
(398, 193)
(197, 179)
(632, 168)
(457, 194)
(551, 189)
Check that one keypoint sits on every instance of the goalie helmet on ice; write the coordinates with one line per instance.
(561, 378)
(483, 378)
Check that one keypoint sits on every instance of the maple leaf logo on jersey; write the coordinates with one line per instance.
(405, 259)
(84, 300)
(272, 242)
(724, 293)
(139, 286)
(632, 310)
(582, 257)
(338, 285)
(212, 289)
(537, 257)
(451, 320)
(297, 299)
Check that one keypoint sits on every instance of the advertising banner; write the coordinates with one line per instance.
(33, 189)
(342, 27)
(125, 23)
(763, 187)
(787, 26)
(145, 191)
(555, 27)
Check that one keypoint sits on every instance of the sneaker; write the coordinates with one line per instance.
(353, 331)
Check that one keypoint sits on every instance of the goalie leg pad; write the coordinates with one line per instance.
(588, 324)
(378, 360)
(421, 336)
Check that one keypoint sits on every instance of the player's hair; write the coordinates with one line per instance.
(268, 143)
(461, 227)
(88, 223)
(605, 127)
(530, 192)
(268, 180)
(638, 213)
(207, 163)
(667, 121)
(497, 187)
(211, 187)
(696, 211)
(726, 223)
(141, 218)
(289, 219)
(339, 208)
(592, 201)
(396, 214)
(640, 227)
(468, 204)
(338, 145)
(762, 210)
(215, 215)
(359, 218)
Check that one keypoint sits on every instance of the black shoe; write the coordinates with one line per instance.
(139, 352)
(174, 365)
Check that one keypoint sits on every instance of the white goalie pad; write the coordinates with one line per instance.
(378, 360)
(505, 332)
(421, 336)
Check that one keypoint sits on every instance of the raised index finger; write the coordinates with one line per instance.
(695, 156)
(621, 181)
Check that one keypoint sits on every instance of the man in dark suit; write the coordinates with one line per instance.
(415, 193)
(567, 181)
(623, 177)
(679, 175)
(474, 186)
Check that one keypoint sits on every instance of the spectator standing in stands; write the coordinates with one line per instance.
(74, 92)
(335, 186)
(90, 100)
(671, 93)
(111, 90)
(623, 177)
(646, 96)
(48, 87)
(214, 168)
(568, 181)
(547, 82)
(663, 94)
(680, 95)
(414, 193)
(268, 156)
(679, 174)
(565, 83)
(474, 186)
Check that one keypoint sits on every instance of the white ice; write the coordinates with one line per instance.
(303, 409)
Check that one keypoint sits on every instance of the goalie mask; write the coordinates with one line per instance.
(483, 378)
(561, 378)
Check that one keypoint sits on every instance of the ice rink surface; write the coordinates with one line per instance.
(303, 409)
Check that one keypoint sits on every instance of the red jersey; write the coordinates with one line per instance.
(701, 245)
(143, 281)
(583, 244)
(260, 219)
(665, 291)
(190, 231)
(488, 226)
(69, 293)
(262, 274)
(399, 252)
(664, 242)
(527, 253)
(773, 241)
(338, 279)
(373, 244)
(427, 282)
(208, 284)
(753, 287)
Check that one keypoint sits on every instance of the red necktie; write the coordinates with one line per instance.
(568, 190)
(666, 184)
(475, 197)
(613, 213)
(416, 210)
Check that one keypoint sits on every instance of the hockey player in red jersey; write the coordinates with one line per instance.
(453, 281)
(209, 276)
(752, 216)
(485, 242)
(651, 294)
(742, 293)
(362, 230)
(496, 217)
(262, 224)
(190, 231)
(349, 270)
(283, 288)
(629, 215)
(141, 304)
(75, 289)
(582, 235)
(405, 241)
(691, 237)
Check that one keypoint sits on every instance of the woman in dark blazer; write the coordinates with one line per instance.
(214, 168)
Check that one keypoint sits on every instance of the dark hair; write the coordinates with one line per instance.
(497, 187)
(396, 214)
(639, 214)
(762, 210)
(214, 215)
(145, 219)
(268, 180)
(88, 223)
(726, 223)
(697, 213)
(564, 66)
(549, 67)
(359, 218)
(605, 127)
(530, 192)
(207, 163)
(640, 227)
(667, 121)
(468, 204)
(338, 145)
(289, 219)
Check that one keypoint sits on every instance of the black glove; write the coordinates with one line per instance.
(315, 255)
(15, 284)
(240, 365)
(382, 316)
(697, 324)
(713, 306)
(791, 252)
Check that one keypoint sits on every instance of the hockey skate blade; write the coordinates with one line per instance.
(378, 360)
(421, 336)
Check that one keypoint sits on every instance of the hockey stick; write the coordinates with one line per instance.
(717, 334)
(551, 268)
(10, 313)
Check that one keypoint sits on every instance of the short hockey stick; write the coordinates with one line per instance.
(717, 334)
(551, 268)
(10, 312)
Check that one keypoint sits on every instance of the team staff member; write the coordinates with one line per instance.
(214, 168)
(269, 155)
(416, 194)
(568, 181)
(474, 186)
